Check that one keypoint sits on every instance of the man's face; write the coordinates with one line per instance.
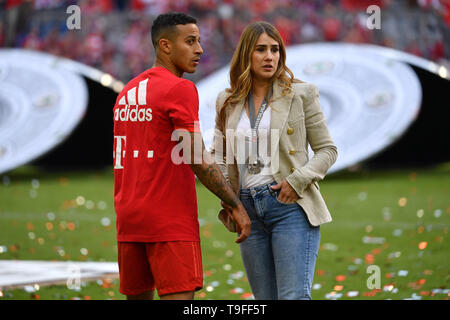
(186, 48)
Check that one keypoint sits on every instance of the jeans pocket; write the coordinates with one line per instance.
(275, 195)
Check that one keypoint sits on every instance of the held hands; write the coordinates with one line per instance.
(287, 194)
(240, 217)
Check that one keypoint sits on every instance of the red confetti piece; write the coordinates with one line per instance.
(376, 251)
(71, 226)
(369, 258)
(422, 245)
(340, 278)
(320, 272)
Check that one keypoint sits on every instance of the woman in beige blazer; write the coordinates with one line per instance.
(264, 156)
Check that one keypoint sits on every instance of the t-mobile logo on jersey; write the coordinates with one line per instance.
(131, 101)
(119, 153)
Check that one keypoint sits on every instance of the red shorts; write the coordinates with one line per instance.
(170, 267)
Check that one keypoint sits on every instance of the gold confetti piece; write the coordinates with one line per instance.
(420, 213)
(80, 200)
(438, 239)
(206, 233)
(63, 181)
(62, 225)
(402, 202)
(338, 287)
(49, 226)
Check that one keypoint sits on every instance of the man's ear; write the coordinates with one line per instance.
(165, 45)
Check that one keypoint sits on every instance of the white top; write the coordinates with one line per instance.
(244, 145)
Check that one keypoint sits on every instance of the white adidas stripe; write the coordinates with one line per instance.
(131, 95)
(142, 92)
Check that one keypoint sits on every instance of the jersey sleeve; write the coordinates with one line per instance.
(183, 107)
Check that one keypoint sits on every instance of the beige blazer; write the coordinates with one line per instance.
(296, 120)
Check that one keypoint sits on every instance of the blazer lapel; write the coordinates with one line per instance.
(232, 122)
(235, 115)
(279, 110)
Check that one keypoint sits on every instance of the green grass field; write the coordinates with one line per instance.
(397, 220)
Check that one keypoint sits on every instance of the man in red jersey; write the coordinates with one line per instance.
(154, 196)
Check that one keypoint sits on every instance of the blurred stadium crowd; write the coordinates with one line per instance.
(115, 34)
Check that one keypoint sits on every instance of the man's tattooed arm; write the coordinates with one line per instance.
(209, 174)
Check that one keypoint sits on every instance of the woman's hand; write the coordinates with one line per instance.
(287, 194)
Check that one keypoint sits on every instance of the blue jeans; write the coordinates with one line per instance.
(280, 254)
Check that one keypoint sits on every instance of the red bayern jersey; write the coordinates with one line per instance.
(154, 197)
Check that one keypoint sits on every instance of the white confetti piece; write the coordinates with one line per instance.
(352, 294)
(373, 240)
(437, 213)
(402, 273)
(330, 246)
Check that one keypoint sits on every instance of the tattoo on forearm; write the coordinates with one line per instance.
(211, 176)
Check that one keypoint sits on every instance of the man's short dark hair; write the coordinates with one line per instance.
(166, 23)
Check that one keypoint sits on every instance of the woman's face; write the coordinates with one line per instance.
(265, 57)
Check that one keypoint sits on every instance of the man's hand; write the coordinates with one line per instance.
(208, 172)
(240, 217)
(287, 194)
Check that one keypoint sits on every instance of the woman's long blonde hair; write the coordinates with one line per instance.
(240, 71)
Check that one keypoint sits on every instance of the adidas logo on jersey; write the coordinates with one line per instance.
(133, 114)
(131, 110)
